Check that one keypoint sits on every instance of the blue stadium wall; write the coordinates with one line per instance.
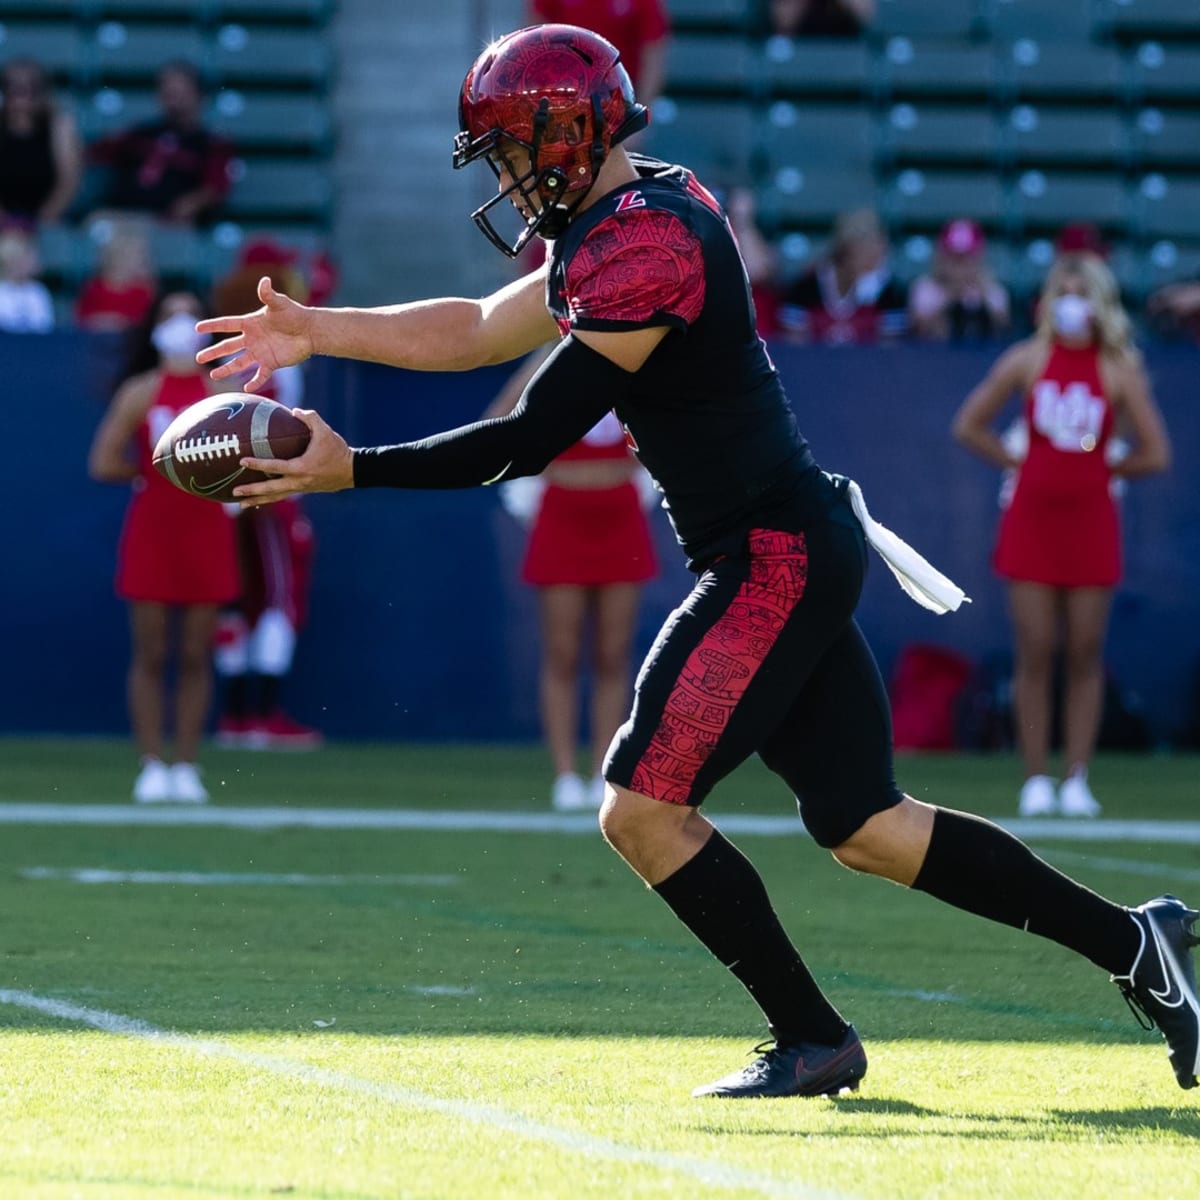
(420, 627)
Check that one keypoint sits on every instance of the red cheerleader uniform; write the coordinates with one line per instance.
(589, 537)
(175, 548)
(1062, 528)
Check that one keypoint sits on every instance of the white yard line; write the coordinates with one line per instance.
(1183, 833)
(704, 1171)
(230, 879)
(1129, 866)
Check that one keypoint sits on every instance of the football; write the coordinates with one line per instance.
(201, 450)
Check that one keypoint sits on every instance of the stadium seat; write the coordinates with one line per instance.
(732, 15)
(311, 11)
(1144, 269)
(1162, 72)
(907, 68)
(941, 134)
(281, 190)
(155, 10)
(121, 52)
(65, 255)
(242, 54)
(1062, 71)
(924, 18)
(715, 139)
(1167, 137)
(261, 121)
(1046, 136)
(812, 199)
(1167, 209)
(1050, 20)
(927, 200)
(176, 251)
(108, 110)
(1136, 19)
(829, 67)
(1045, 202)
(36, 9)
(709, 63)
(813, 135)
(58, 46)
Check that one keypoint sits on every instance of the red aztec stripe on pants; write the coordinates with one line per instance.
(719, 670)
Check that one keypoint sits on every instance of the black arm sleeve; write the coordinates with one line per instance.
(572, 390)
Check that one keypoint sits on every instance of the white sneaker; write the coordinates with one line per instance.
(1075, 798)
(570, 793)
(596, 792)
(153, 784)
(186, 787)
(1037, 797)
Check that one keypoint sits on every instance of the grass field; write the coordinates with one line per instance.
(207, 1011)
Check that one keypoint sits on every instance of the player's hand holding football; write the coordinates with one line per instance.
(277, 335)
(326, 466)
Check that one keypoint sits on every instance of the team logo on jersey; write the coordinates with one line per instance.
(1070, 417)
(630, 200)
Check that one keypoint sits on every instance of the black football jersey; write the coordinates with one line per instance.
(706, 413)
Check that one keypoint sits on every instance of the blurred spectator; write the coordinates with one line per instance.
(590, 551)
(848, 297)
(25, 302)
(1081, 237)
(758, 254)
(818, 18)
(176, 563)
(638, 28)
(1174, 310)
(959, 299)
(41, 156)
(171, 167)
(256, 636)
(1059, 543)
(118, 296)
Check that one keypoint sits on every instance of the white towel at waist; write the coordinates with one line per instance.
(916, 575)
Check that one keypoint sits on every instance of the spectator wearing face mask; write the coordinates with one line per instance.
(177, 560)
(1059, 545)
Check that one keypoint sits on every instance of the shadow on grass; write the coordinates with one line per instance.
(953, 1124)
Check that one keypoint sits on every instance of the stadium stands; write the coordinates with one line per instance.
(268, 70)
(1023, 114)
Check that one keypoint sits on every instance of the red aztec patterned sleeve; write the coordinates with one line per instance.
(635, 269)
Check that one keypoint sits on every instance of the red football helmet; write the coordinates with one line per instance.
(559, 93)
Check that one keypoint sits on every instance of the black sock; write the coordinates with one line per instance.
(979, 867)
(719, 896)
(269, 687)
(235, 696)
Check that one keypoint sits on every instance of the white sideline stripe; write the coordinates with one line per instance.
(704, 1171)
(224, 878)
(1130, 866)
(1183, 833)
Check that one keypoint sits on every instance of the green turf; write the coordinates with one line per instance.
(532, 1026)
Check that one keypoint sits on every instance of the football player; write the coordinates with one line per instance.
(645, 287)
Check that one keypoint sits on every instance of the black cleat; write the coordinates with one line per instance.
(795, 1069)
(1160, 988)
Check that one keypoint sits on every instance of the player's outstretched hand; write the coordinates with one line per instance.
(278, 335)
(326, 466)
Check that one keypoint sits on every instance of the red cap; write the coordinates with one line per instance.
(266, 251)
(961, 237)
(1081, 237)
